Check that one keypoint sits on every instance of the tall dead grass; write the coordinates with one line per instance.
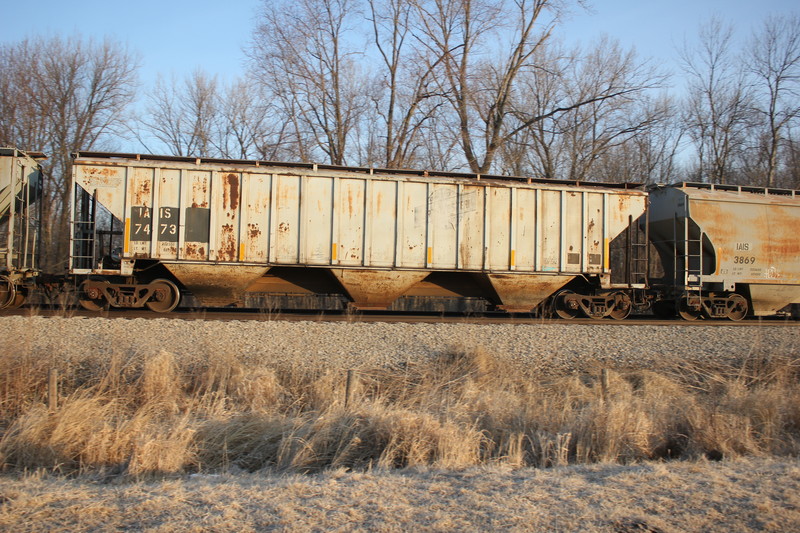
(150, 413)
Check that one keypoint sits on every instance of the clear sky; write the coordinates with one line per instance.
(176, 36)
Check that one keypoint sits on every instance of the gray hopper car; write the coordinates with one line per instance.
(148, 229)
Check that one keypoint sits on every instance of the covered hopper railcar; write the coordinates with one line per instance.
(727, 251)
(147, 230)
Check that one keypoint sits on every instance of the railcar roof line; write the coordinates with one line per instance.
(728, 187)
(366, 170)
(11, 151)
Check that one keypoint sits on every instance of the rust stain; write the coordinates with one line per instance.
(283, 227)
(194, 251)
(200, 193)
(230, 192)
(95, 171)
(227, 247)
(141, 194)
(350, 203)
(101, 177)
(254, 231)
(286, 193)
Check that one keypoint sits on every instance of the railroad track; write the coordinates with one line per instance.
(232, 314)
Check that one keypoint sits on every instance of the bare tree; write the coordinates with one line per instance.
(181, 114)
(490, 48)
(649, 155)
(300, 52)
(586, 141)
(601, 125)
(774, 61)
(480, 91)
(537, 148)
(246, 127)
(790, 159)
(718, 102)
(407, 96)
(60, 96)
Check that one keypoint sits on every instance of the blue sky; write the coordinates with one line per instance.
(177, 36)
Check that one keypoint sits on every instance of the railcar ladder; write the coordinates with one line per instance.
(639, 259)
(689, 258)
(83, 240)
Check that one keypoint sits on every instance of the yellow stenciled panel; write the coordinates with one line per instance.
(318, 220)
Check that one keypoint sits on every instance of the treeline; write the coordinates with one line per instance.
(473, 85)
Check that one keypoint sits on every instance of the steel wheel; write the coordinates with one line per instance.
(622, 306)
(19, 299)
(566, 304)
(91, 298)
(737, 307)
(686, 312)
(165, 296)
(8, 292)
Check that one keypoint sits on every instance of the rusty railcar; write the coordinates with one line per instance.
(727, 251)
(146, 229)
(20, 216)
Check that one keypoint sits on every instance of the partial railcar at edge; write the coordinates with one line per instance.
(726, 250)
(20, 215)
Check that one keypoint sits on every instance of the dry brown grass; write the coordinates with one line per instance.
(149, 413)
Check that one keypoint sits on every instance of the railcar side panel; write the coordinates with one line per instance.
(526, 239)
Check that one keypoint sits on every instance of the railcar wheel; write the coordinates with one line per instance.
(687, 312)
(566, 304)
(91, 298)
(737, 307)
(8, 292)
(165, 296)
(622, 306)
(19, 299)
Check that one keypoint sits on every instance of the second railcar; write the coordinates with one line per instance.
(727, 251)
(146, 229)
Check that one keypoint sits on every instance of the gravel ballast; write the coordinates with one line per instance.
(535, 347)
